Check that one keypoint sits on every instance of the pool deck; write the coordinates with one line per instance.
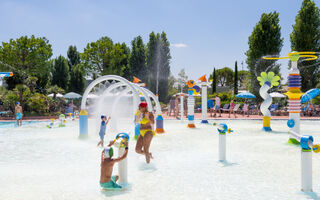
(197, 116)
(238, 116)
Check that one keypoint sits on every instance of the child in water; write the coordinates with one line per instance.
(107, 181)
(103, 129)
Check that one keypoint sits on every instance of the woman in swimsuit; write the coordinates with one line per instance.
(146, 120)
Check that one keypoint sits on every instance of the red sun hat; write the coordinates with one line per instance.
(143, 105)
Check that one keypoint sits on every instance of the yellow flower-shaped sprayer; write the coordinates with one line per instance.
(269, 78)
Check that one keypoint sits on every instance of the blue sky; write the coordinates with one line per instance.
(203, 33)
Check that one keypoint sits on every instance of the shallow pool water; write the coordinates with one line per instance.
(41, 163)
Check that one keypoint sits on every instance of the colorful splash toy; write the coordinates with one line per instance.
(193, 90)
(294, 93)
(222, 129)
(204, 87)
(136, 126)
(267, 81)
(62, 119)
(118, 142)
(51, 123)
(5, 74)
(307, 146)
(124, 138)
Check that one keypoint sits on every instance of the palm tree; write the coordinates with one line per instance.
(31, 83)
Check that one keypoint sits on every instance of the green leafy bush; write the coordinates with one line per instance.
(37, 103)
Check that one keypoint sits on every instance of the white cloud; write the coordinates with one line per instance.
(179, 45)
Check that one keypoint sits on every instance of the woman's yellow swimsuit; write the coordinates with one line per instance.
(144, 131)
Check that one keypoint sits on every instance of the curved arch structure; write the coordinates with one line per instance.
(106, 78)
(121, 82)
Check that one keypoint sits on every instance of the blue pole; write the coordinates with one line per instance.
(83, 124)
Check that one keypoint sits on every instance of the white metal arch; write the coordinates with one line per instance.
(155, 99)
(106, 78)
(138, 88)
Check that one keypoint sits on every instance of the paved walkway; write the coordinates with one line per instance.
(238, 116)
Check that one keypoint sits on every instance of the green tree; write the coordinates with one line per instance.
(265, 39)
(164, 68)
(77, 81)
(22, 92)
(37, 103)
(152, 60)
(25, 56)
(225, 76)
(31, 82)
(97, 56)
(243, 75)
(235, 81)
(119, 56)
(73, 56)
(60, 75)
(214, 81)
(76, 71)
(305, 36)
(137, 60)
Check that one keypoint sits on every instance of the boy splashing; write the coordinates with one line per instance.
(107, 181)
(103, 129)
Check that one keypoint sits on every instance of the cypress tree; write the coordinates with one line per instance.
(60, 74)
(137, 60)
(235, 91)
(214, 81)
(265, 39)
(305, 36)
(77, 80)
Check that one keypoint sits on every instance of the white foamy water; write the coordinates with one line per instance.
(41, 163)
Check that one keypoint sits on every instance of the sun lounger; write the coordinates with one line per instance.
(236, 108)
(225, 107)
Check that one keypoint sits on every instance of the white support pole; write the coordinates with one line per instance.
(306, 171)
(204, 103)
(222, 147)
(181, 108)
(122, 167)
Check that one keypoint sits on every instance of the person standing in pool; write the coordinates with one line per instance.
(18, 112)
(146, 120)
(103, 129)
(107, 181)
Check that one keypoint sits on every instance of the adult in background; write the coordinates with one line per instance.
(231, 110)
(176, 103)
(172, 106)
(217, 106)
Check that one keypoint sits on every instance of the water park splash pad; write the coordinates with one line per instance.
(118, 98)
(41, 163)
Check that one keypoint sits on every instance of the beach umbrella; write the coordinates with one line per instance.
(277, 95)
(310, 94)
(58, 95)
(72, 95)
(247, 95)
